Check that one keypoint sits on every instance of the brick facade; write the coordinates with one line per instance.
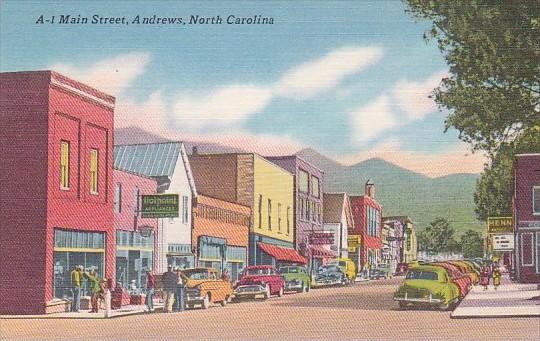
(39, 110)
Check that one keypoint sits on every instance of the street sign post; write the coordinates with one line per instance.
(159, 206)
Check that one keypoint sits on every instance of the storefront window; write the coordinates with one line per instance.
(183, 262)
(68, 253)
(134, 254)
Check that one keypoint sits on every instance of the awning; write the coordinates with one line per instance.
(320, 252)
(283, 254)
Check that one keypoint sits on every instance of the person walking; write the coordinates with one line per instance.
(496, 277)
(94, 285)
(169, 287)
(150, 289)
(76, 281)
(180, 286)
(484, 277)
(225, 275)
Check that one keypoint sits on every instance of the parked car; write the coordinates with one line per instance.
(259, 280)
(382, 271)
(296, 278)
(204, 286)
(463, 281)
(427, 285)
(330, 274)
(468, 270)
(401, 269)
(348, 267)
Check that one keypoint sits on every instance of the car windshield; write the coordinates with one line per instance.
(289, 270)
(427, 275)
(329, 268)
(196, 275)
(255, 272)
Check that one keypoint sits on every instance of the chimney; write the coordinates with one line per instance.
(370, 189)
(194, 150)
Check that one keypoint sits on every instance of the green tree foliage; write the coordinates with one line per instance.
(437, 237)
(493, 53)
(472, 244)
(494, 189)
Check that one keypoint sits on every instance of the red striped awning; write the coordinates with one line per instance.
(320, 252)
(282, 254)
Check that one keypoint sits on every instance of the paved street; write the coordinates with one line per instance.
(362, 311)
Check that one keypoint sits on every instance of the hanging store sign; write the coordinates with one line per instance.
(321, 238)
(353, 241)
(503, 242)
(159, 206)
(500, 225)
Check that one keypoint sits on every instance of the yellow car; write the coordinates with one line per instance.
(204, 286)
(347, 266)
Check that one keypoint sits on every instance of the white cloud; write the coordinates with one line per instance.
(371, 120)
(150, 114)
(314, 77)
(413, 97)
(456, 159)
(112, 75)
(223, 107)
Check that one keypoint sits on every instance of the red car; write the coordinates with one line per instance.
(463, 282)
(257, 280)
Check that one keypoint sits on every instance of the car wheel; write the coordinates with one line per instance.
(444, 306)
(206, 302)
(304, 287)
(308, 287)
(402, 305)
(280, 292)
(225, 301)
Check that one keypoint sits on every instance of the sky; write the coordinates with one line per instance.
(349, 79)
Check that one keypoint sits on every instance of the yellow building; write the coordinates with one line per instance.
(251, 180)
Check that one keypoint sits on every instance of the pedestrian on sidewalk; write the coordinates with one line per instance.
(169, 288)
(76, 280)
(484, 277)
(180, 286)
(496, 277)
(95, 288)
(150, 289)
(225, 275)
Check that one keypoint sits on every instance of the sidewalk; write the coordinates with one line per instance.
(84, 314)
(509, 300)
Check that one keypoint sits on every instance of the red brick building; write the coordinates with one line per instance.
(56, 207)
(527, 217)
(136, 237)
(220, 234)
(367, 216)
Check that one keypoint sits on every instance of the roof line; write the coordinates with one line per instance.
(147, 143)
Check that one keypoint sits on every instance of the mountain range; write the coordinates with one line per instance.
(399, 190)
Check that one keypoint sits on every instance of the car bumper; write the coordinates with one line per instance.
(194, 299)
(426, 300)
(249, 290)
(291, 286)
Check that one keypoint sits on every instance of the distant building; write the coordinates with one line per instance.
(168, 164)
(338, 219)
(56, 205)
(250, 180)
(367, 213)
(527, 217)
(388, 252)
(220, 234)
(308, 205)
(409, 251)
(135, 236)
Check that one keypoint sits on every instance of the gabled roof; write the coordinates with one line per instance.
(156, 160)
(334, 205)
(152, 159)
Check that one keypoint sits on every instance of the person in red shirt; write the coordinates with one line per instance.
(150, 289)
